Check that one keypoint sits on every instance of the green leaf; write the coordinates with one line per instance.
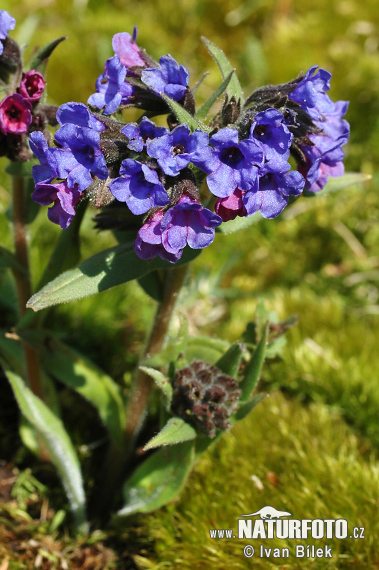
(184, 116)
(79, 373)
(254, 368)
(57, 442)
(230, 362)
(161, 381)
(340, 183)
(152, 284)
(205, 348)
(234, 87)
(7, 259)
(246, 407)
(100, 272)
(206, 107)
(40, 60)
(175, 431)
(239, 224)
(158, 480)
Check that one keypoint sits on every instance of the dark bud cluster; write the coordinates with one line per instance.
(205, 397)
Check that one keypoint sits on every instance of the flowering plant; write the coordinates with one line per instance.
(164, 191)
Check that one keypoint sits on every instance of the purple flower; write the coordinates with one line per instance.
(79, 115)
(138, 135)
(310, 93)
(139, 187)
(275, 138)
(41, 172)
(170, 78)
(148, 243)
(175, 150)
(325, 157)
(111, 89)
(167, 234)
(232, 206)
(6, 23)
(188, 223)
(15, 115)
(32, 86)
(84, 144)
(273, 193)
(64, 201)
(234, 164)
(127, 50)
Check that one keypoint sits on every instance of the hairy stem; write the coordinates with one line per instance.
(22, 277)
(143, 384)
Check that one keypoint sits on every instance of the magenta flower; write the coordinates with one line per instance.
(125, 47)
(15, 115)
(32, 86)
(232, 206)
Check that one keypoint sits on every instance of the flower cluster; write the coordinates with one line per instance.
(184, 180)
(205, 397)
(21, 111)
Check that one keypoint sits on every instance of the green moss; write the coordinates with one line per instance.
(307, 462)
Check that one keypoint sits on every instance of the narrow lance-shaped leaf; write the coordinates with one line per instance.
(79, 373)
(206, 107)
(57, 442)
(100, 272)
(340, 183)
(184, 116)
(254, 368)
(158, 480)
(175, 431)
(230, 362)
(246, 407)
(205, 348)
(239, 224)
(161, 381)
(234, 87)
(40, 60)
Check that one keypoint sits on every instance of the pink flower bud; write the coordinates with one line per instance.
(15, 114)
(32, 85)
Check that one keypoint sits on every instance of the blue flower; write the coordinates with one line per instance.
(139, 187)
(138, 135)
(324, 157)
(79, 115)
(274, 191)
(170, 78)
(270, 130)
(6, 23)
(234, 164)
(175, 150)
(111, 89)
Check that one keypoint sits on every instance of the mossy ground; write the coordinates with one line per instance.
(313, 444)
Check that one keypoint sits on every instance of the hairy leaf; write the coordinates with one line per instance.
(206, 107)
(40, 60)
(158, 480)
(161, 381)
(253, 369)
(57, 442)
(184, 116)
(175, 431)
(234, 87)
(100, 272)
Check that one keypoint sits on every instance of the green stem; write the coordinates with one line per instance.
(23, 284)
(118, 459)
(136, 409)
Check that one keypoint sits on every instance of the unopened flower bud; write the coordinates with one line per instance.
(205, 397)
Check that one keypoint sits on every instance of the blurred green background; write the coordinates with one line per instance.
(313, 445)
